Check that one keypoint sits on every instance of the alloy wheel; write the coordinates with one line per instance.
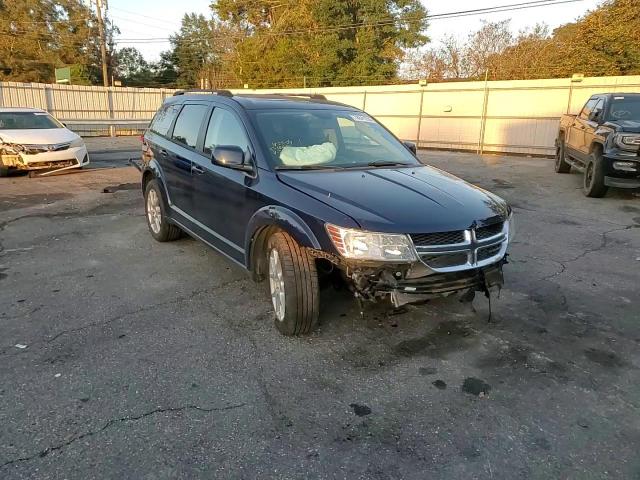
(154, 214)
(276, 284)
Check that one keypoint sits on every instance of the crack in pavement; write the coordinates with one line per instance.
(112, 422)
(603, 243)
(108, 321)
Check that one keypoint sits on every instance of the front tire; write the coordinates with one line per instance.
(561, 159)
(594, 177)
(156, 214)
(293, 285)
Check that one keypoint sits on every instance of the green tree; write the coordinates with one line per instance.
(201, 52)
(606, 41)
(36, 36)
(328, 42)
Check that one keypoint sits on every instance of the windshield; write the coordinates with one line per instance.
(312, 139)
(625, 107)
(27, 121)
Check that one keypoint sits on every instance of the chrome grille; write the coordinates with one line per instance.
(35, 149)
(438, 238)
(488, 252)
(489, 230)
(462, 249)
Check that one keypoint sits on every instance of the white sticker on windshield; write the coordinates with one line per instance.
(41, 113)
(618, 98)
(361, 117)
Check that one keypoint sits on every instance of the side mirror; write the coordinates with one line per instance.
(411, 146)
(230, 156)
(593, 116)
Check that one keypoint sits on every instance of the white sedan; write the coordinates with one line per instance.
(31, 139)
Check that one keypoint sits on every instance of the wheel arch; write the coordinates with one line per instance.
(263, 224)
(151, 172)
(596, 147)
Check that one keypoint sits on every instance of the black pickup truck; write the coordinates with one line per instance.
(603, 142)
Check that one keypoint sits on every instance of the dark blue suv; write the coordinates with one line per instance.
(296, 189)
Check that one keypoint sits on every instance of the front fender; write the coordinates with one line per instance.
(282, 218)
(285, 219)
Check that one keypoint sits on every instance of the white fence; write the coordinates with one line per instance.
(88, 110)
(503, 116)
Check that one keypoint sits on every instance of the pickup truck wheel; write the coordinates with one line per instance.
(155, 210)
(594, 177)
(4, 171)
(561, 161)
(293, 285)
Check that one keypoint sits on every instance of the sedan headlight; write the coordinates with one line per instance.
(361, 245)
(78, 142)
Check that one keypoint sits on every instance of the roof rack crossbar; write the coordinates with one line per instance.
(315, 96)
(223, 93)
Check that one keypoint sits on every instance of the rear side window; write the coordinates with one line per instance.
(163, 119)
(188, 124)
(225, 129)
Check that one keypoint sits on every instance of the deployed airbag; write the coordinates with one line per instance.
(312, 155)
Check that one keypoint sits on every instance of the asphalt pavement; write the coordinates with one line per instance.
(121, 357)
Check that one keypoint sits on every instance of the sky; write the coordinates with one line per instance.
(160, 18)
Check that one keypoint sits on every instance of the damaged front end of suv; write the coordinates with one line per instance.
(412, 268)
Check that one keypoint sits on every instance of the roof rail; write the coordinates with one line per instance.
(223, 93)
(314, 96)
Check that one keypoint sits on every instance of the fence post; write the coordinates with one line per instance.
(48, 97)
(570, 95)
(483, 118)
(1, 95)
(112, 127)
(364, 101)
(419, 119)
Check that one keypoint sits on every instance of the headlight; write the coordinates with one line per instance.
(361, 245)
(78, 142)
(511, 228)
(627, 142)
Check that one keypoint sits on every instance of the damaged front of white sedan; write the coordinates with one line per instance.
(32, 140)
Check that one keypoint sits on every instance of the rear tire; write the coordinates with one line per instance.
(293, 285)
(561, 159)
(4, 171)
(156, 214)
(594, 177)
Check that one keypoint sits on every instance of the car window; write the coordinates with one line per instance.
(350, 134)
(225, 129)
(163, 119)
(625, 107)
(586, 110)
(328, 138)
(599, 106)
(188, 124)
(27, 121)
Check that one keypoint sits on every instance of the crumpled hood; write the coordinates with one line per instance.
(45, 136)
(630, 126)
(408, 200)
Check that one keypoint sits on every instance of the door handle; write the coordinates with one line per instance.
(196, 168)
(162, 152)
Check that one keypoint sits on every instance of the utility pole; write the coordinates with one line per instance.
(103, 46)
